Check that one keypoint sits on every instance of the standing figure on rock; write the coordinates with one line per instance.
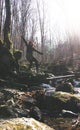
(29, 55)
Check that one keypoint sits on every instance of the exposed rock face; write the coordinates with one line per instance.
(23, 124)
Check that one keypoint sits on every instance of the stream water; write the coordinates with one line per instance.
(58, 123)
(77, 89)
(61, 123)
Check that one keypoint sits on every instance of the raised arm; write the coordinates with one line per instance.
(24, 40)
(38, 52)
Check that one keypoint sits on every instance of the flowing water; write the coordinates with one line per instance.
(77, 89)
(61, 123)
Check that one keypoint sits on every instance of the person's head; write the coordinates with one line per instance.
(31, 43)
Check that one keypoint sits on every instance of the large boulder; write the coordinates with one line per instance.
(65, 87)
(23, 124)
(63, 100)
(58, 101)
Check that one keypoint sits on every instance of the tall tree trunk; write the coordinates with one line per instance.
(41, 24)
(1, 11)
(0, 17)
(7, 23)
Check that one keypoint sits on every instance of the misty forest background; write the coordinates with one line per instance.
(29, 18)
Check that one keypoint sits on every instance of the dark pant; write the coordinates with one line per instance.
(31, 60)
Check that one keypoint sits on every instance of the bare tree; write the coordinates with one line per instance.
(25, 16)
(7, 23)
(0, 15)
(15, 23)
(42, 25)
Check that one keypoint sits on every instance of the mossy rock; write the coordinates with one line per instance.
(23, 124)
(65, 87)
(63, 100)
(64, 96)
(58, 101)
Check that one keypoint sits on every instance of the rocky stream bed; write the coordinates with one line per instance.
(39, 107)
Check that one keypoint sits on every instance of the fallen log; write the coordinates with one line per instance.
(61, 77)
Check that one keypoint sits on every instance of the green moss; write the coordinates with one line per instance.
(22, 127)
(65, 87)
(11, 43)
(64, 97)
(29, 127)
(17, 126)
(1, 41)
(23, 124)
(35, 124)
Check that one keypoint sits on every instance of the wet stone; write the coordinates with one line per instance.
(7, 112)
(28, 102)
(66, 113)
(23, 113)
(36, 113)
(7, 93)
